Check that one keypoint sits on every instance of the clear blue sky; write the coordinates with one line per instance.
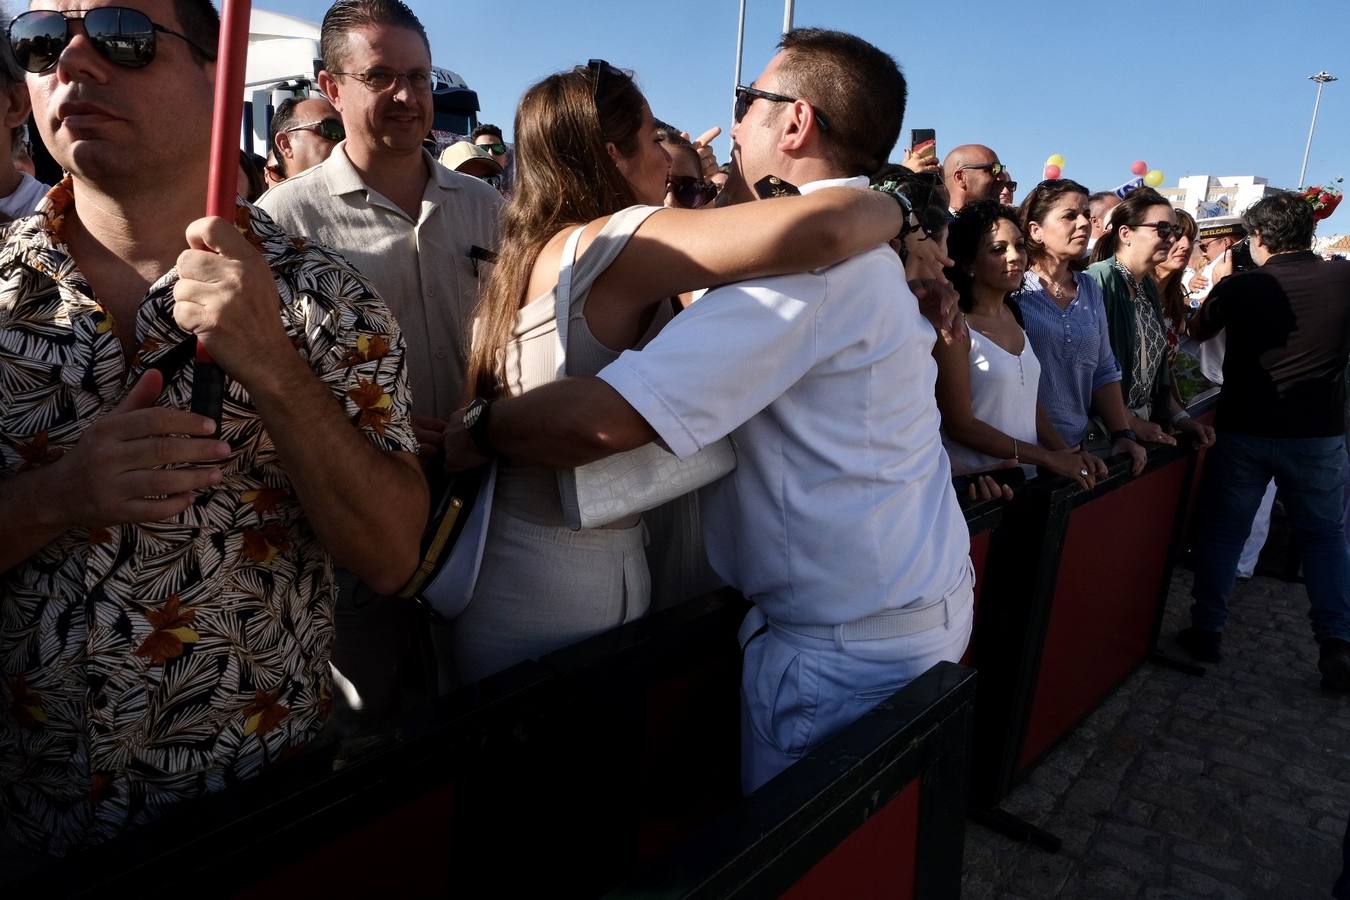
(1185, 86)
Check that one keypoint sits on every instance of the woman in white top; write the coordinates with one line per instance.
(588, 153)
(988, 376)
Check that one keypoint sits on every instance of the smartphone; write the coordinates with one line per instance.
(919, 137)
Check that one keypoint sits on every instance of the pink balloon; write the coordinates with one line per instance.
(1139, 167)
(1051, 172)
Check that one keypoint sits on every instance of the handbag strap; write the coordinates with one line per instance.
(562, 302)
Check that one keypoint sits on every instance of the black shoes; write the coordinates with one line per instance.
(1203, 646)
(1334, 662)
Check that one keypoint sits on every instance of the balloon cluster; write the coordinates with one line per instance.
(1152, 177)
(1054, 167)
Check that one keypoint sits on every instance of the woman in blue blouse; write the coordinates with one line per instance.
(1066, 323)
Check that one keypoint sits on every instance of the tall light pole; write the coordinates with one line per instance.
(787, 15)
(1322, 77)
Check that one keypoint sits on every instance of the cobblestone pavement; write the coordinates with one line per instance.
(1232, 785)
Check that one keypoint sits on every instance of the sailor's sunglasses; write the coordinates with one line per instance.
(748, 95)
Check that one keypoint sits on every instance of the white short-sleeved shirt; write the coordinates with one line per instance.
(842, 505)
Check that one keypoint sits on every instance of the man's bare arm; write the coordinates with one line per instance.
(562, 424)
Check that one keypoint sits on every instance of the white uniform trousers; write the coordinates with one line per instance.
(797, 690)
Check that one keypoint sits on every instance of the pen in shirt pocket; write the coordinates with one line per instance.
(479, 254)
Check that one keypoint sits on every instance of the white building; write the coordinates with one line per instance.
(1204, 196)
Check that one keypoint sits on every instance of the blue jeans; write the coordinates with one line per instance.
(1310, 474)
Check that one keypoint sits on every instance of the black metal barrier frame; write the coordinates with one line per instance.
(770, 840)
(1021, 575)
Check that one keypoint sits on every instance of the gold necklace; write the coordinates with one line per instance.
(1055, 287)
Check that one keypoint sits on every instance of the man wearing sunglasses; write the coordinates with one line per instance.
(972, 172)
(167, 588)
(840, 520)
(304, 133)
(420, 233)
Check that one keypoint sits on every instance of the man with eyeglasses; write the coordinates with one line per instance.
(972, 172)
(167, 585)
(840, 521)
(421, 234)
(304, 132)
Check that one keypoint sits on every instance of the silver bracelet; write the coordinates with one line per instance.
(1179, 417)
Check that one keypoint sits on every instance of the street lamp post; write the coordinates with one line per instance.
(1322, 77)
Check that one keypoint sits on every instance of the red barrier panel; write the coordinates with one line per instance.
(979, 555)
(1110, 582)
(879, 861)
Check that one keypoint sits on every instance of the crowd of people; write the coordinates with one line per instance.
(186, 602)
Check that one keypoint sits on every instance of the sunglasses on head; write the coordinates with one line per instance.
(748, 95)
(125, 37)
(498, 148)
(600, 72)
(329, 129)
(1166, 230)
(690, 191)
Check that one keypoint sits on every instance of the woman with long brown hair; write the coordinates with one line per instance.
(589, 157)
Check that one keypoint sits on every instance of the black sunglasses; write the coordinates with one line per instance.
(498, 148)
(330, 129)
(123, 36)
(600, 72)
(748, 95)
(690, 191)
(995, 168)
(1166, 230)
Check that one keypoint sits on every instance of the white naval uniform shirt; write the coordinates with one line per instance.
(841, 506)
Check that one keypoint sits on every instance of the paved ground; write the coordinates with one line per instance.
(1234, 785)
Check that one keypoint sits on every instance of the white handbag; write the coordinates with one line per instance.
(628, 483)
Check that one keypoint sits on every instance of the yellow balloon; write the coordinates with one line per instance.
(1154, 178)
(1055, 160)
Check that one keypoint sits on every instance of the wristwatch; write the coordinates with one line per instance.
(1179, 417)
(1126, 433)
(476, 424)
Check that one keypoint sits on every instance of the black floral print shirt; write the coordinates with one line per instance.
(146, 664)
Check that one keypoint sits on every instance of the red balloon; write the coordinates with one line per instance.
(1051, 172)
(1139, 167)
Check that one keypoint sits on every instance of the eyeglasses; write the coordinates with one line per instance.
(380, 80)
(125, 37)
(748, 95)
(1166, 230)
(995, 168)
(690, 191)
(1010, 186)
(329, 129)
(498, 148)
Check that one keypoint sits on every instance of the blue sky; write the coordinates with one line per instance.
(1188, 89)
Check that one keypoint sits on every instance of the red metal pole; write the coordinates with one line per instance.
(208, 383)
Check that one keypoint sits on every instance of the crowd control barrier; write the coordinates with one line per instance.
(615, 761)
(563, 777)
(1075, 589)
